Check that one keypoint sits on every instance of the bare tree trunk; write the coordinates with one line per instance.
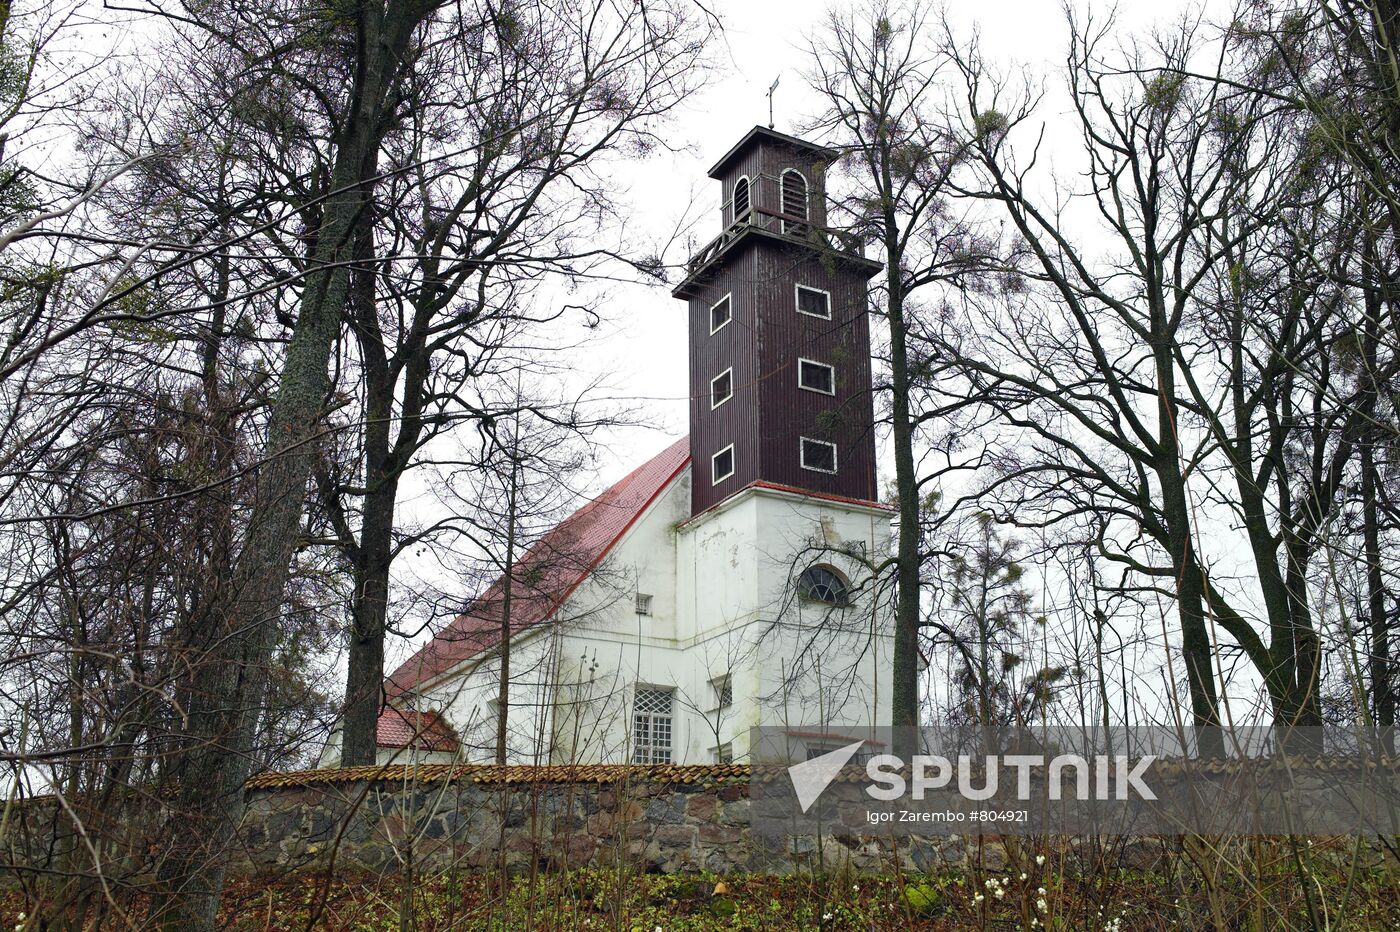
(512, 503)
(229, 661)
(373, 555)
(1382, 689)
(904, 688)
(1196, 648)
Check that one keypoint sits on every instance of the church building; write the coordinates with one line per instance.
(727, 582)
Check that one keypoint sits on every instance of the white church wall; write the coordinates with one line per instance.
(582, 665)
(468, 701)
(611, 648)
(717, 575)
(723, 604)
(803, 662)
(830, 662)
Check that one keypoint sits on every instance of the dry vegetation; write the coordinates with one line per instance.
(1258, 885)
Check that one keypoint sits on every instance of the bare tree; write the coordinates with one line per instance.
(982, 617)
(877, 71)
(494, 183)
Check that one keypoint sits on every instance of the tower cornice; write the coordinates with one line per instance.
(762, 489)
(822, 153)
(721, 247)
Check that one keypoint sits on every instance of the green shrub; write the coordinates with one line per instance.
(922, 899)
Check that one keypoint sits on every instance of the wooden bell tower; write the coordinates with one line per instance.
(779, 335)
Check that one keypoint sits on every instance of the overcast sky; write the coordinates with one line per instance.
(641, 347)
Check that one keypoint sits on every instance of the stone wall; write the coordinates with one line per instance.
(663, 819)
(439, 816)
(436, 816)
(680, 819)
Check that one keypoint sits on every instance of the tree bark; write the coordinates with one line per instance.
(503, 692)
(1378, 665)
(1196, 647)
(904, 690)
(229, 660)
(1382, 690)
(372, 556)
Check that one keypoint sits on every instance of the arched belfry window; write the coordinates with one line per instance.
(741, 198)
(823, 584)
(794, 192)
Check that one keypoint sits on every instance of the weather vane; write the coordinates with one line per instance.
(771, 89)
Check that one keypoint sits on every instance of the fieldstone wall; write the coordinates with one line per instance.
(436, 816)
(382, 824)
(659, 819)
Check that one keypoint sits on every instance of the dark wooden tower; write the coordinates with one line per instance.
(779, 334)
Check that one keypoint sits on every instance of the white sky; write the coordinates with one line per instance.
(643, 346)
(640, 349)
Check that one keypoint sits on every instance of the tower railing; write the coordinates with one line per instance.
(789, 226)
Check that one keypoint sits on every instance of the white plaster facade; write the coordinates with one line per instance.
(726, 633)
(724, 603)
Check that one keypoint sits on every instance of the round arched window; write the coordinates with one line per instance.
(823, 584)
(794, 202)
(741, 198)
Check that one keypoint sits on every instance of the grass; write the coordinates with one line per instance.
(1253, 885)
(1039, 898)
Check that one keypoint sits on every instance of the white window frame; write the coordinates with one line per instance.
(797, 290)
(729, 297)
(733, 200)
(802, 458)
(718, 453)
(723, 687)
(806, 220)
(815, 362)
(652, 750)
(729, 372)
(643, 603)
(844, 598)
(724, 754)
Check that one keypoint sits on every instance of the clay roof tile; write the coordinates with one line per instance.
(547, 573)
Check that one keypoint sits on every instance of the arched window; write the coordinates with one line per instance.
(823, 584)
(741, 198)
(795, 202)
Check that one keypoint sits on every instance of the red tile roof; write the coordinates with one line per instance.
(402, 728)
(547, 574)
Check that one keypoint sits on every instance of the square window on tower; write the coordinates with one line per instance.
(816, 376)
(720, 313)
(818, 455)
(721, 388)
(722, 465)
(813, 302)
